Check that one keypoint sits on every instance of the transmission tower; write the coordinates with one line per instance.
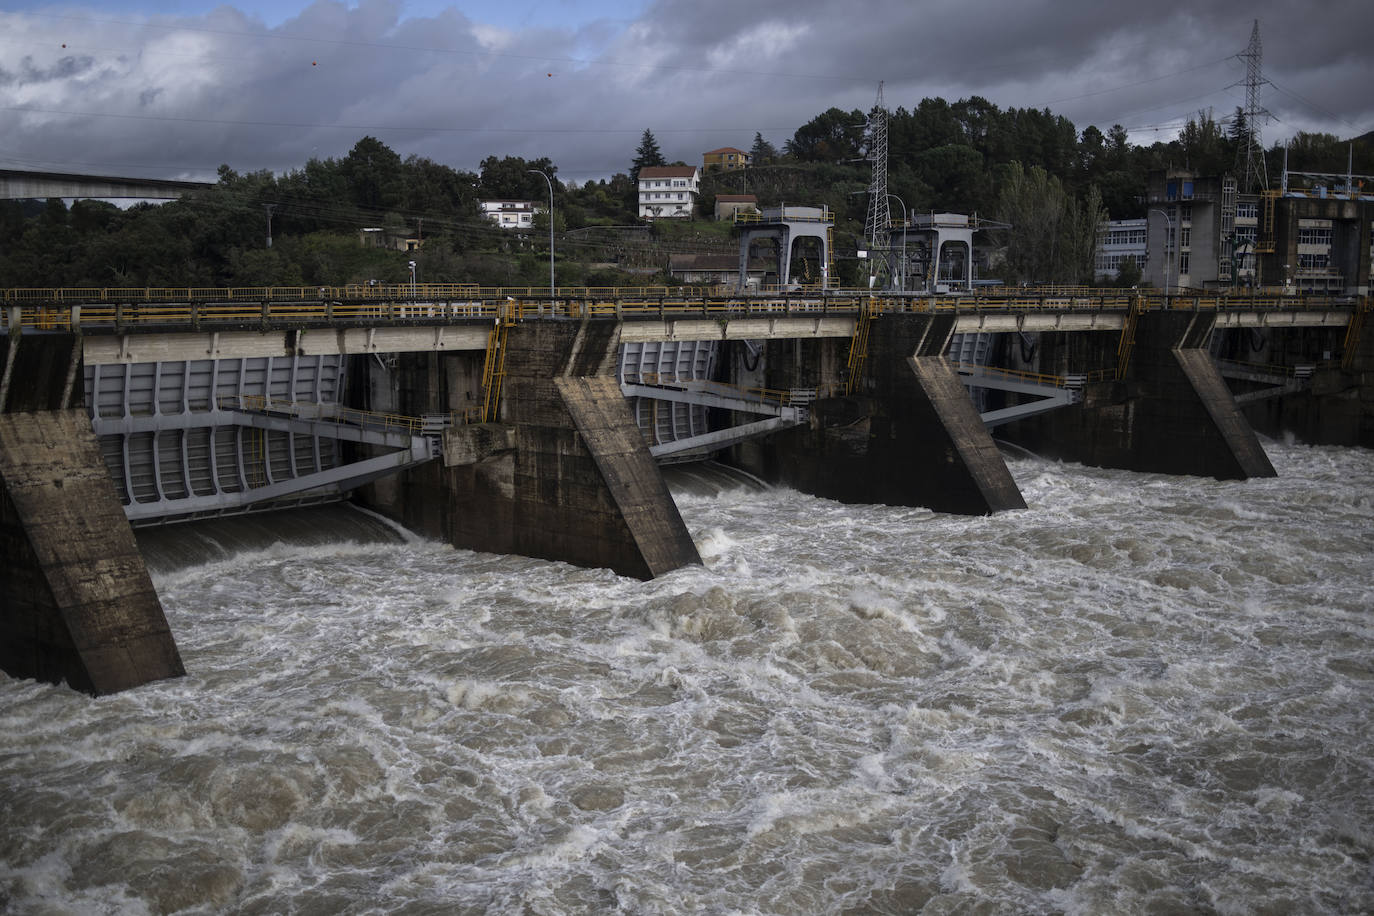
(1255, 172)
(878, 226)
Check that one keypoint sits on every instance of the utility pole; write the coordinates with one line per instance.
(552, 288)
(269, 208)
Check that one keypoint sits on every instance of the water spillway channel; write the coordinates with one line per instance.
(1143, 693)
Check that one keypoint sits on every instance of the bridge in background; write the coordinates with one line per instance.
(25, 185)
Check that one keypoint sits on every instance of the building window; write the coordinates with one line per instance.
(1187, 191)
(1171, 191)
(1185, 212)
(1185, 237)
(1183, 263)
(1314, 235)
(1247, 210)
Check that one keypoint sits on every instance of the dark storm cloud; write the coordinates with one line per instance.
(181, 95)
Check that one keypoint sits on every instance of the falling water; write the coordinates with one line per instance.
(1142, 694)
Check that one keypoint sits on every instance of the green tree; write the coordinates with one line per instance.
(832, 136)
(1205, 148)
(1052, 236)
(1128, 273)
(762, 152)
(373, 172)
(647, 154)
(510, 178)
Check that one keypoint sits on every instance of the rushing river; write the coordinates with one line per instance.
(1142, 694)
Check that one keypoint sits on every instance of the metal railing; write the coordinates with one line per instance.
(122, 309)
(778, 397)
(1018, 375)
(428, 425)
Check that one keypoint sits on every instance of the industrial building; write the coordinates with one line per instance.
(1312, 234)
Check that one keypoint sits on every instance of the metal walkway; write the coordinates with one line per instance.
(1050, 392)
(1278, 380)
(780, 409)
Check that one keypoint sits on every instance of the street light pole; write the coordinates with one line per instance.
(904, 227)
(549, 182)
(1168, 231)
(412, 281)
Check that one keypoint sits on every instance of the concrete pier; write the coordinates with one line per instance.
(78, 604)
(566, 474)
(1337, 408)
(912, 437)
(1172, 414)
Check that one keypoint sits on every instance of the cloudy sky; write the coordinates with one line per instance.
(162, 89)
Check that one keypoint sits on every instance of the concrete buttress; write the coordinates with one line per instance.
(911, 437)
(1172, 414)
(570, 477)
(78, 604)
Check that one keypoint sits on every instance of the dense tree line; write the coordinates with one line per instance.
(1027, 167)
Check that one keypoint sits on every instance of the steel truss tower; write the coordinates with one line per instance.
(878, 226)
(1255, 172)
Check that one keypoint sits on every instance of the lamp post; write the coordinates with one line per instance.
(902, 287)
(1168, 231)
(412, 281)
(549, 182)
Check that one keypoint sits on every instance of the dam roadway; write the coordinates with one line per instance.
(509, 421)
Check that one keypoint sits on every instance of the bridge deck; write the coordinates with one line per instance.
(133, 325)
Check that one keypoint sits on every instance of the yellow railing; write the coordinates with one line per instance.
(1017, 375)
(1353, 332)
(858, 346)
(59, 309)
(1263, 368)
(494, 366)
(1126, 343)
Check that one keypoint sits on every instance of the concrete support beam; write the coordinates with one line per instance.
(912, 437)
(574, 482)
(76, 604)
(1173, 413)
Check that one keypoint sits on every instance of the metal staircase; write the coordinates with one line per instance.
(1127, 341)
(858, 346)
(494, 366)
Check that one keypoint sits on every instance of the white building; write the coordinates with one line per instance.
(511, 214)
(668, 191)
(1120, 239)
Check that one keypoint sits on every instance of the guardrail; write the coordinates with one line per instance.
(1018, 375)
(125, 309)
(780, 397)
(334, 413)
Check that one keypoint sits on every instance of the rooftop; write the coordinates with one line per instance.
(668, 171)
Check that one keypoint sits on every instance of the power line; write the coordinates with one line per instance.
(1144, 82)
(483, 54)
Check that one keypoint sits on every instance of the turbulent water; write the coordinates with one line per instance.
(1142, 694)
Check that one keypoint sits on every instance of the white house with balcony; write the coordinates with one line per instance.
(668, 191)
(511, 214)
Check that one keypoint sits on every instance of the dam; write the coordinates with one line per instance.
(510, 422)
